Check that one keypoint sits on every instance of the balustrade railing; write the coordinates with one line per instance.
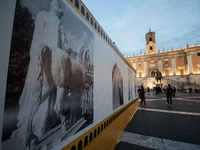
(163, 51)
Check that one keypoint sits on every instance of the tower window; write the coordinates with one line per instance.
(151, 48)
(150, 39)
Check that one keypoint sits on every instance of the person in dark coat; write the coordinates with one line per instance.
(169, 95)
(148, 89)
(142, 96)
(173, 91)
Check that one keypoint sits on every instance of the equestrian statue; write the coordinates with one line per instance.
(158, 76)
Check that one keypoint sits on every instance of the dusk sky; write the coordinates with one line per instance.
(175, 22)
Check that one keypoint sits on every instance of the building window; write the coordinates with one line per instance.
(83, 10)
(198, 54)
(73, 148)
(181, 71)
(152, 65)
(95, 25)
(166, 64)
(91, 21)
(140, 74)
(150, 39)
(166, 72)
(151, 48)
(77, 4)
(139, 67)
(87, 16)
(152, 61)
(198, 69)
(80, 145)
(99, 29)
(153, 74)
(166, 59)
(180, 57)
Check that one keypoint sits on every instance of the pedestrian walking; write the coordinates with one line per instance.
(148, 89)
(169, 95)
(190, 89)
(142, 96)
(138, 91)
(173, 91)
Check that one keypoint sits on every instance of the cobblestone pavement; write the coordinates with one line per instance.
(160, 126)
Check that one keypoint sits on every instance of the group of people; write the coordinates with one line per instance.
(157, 90)
(169, 90)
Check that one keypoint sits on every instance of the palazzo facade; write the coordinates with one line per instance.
(180, 67)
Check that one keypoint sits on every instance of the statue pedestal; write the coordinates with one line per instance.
(160, 85)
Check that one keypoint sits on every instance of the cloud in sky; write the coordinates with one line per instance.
(175, 22)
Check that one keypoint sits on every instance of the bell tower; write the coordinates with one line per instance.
(150, 42)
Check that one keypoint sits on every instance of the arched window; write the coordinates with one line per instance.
(87, 16)
(86, 141)
(90, 137)
(95, 133)
(80, 145)
(91, 21)
(73, 148)
(153, 74)
(83, 10)
(101, 127)
(150, 39)
(98, 130)
(151, 48)
(77, 4)
(95, 25)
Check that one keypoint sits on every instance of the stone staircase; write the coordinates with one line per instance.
(181, 86)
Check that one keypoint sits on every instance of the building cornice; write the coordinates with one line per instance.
(171, 52)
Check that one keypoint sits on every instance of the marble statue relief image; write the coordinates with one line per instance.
(58, 81)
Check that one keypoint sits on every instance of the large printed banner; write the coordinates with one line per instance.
(63, 78)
